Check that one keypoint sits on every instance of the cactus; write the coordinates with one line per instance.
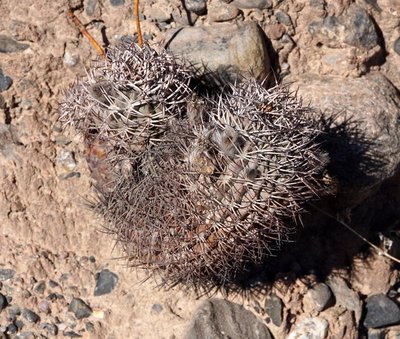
(214, 181)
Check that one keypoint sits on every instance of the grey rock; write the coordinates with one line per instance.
(249, 4)
(39, 287)
(89, 326)
(9, 45)
(6, 273)
(318, 298)
(11, 329)
(221, 319)
(196, 6)
(157, 308)
(79, 308)
(354, 28)
(105, 282)
(376, 334)
(345, 296)
(5, 81)
(90, 6)
(310, 328)
(19, 323)
(396, 46)
(13, 312)
(116, 3)
(273, 306)
(53, 284)
(3, 302)
(365, 144)
(283, 18)
(380, 311)
(230, 50)
(25, 335)
(30, 316)
(51, 329)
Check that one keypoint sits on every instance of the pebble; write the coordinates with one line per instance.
(13, 312)
(53, 284)
(283, 18)
(6, 274)
(25, 335)
(105, 282)
(30, 316)
(11, 329)
(250, 4)
(5, 81)
(380, 311)
(3, 302)
(345, 296)
(71, 334)
(89, 327)
(90, 7)
(275, 31)
(20, 324)
(39, 287)
(79, 308)
(217, 318)
(44, 306)
(50, 328)
(157, 308)
(318, 298)
(116, 3)
(66, 160)
(70, 59)
(273, 306)
(396, 46)
(9, 45)
(310, 328)
(196, 6)
(219, 12)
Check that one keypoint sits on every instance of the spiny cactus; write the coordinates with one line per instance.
(212, 181)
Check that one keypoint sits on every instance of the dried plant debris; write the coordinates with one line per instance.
(210, 183)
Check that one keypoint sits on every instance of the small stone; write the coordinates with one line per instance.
(105, 282)
(70, 59)
(249, 4)
(5, 81)
(51, 329)
(378, 334)
(99, 314)
(11, 329)
(196, 6)
(116, 3)
(219, 12)
(13, 312)
(396, 46)
(39, 287)
(9, 45)
(66, 160)
(380, 311)
(30, 316)
(318, 298)
(217, 318)
(25, 335)
(3, 302)
(44, 306)
(6, 274)
(275, 31)
(156, 308)
(90, 7)
(20, 324)
(273, 306)
(89, 327)
(283, 18)
(71, 334)
(316, 328)
(79, 308)
(53, 284)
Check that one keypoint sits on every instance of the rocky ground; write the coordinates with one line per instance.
(60, 275)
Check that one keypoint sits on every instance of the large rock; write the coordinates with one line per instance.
(227, 49)
(364, 141)
(220, 319)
